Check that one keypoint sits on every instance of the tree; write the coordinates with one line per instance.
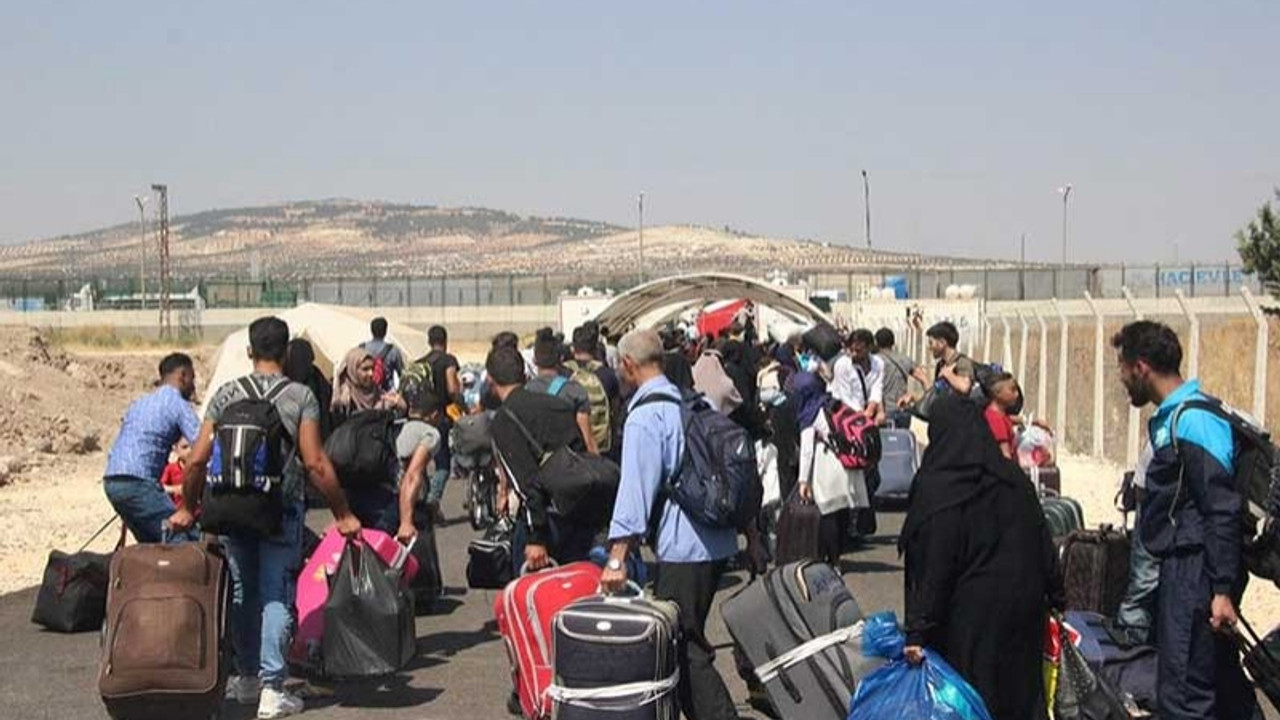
(1259, 247)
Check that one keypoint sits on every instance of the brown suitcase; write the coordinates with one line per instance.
(163, 650)
(1095, 569)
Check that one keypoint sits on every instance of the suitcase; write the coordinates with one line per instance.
(163, 649)
(1048, 480)
(615, 657)
(489, 559)
(312, 590)
(1064, 516)
(797, 531)
(428, 584)
(1130, 670)
(1095, 569)
(368, 619)
(524, 612)
(73, 592)
(798, 627)
(899, 460)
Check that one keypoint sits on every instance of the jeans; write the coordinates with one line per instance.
(444, 463)
(702, 693)
(263, 573)
(144, 506)
(1138, 607)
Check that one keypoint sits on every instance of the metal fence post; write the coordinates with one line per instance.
(1060, 412)
(1193, 355)
(1259, 358)
(1158, 280)
(1022, 351)
(986, 337)
(1042, 381)
(1006, 357)
(1193, 279)
(1098, 415)
(1135, 416)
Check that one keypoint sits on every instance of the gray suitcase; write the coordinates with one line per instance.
(615, 657)
(790, 606)
(899, 460)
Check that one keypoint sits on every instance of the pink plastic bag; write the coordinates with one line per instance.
(313, 586)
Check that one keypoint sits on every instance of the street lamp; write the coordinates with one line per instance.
(1065, 191)
(142, 264)
(640, 207)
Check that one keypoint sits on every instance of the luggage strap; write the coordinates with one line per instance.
(769, 671)
(652, 690)
(103, 529)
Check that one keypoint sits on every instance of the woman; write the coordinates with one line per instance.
(981, 572)
(354, 389)
(300, 367)
(822, 479)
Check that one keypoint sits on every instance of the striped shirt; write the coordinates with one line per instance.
(151, 426)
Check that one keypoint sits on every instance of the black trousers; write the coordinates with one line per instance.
(831, 534)
(692, 586)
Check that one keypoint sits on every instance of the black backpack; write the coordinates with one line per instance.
(362, 449)
(243, 495)
(717, 483)
(1257, 479)
(582, 487)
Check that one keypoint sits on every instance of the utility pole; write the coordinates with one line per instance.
(640, 206)
(1066, 195)
(166, 321)
(866, 203)
(142, 261)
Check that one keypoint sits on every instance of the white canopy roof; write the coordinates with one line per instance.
(332, 330)
(661, 300)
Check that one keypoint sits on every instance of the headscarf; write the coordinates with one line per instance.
(961, 462)
(809, 393)
(298, 360)
(347, 393)
(710, 379)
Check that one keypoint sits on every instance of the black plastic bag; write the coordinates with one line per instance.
(368, 619)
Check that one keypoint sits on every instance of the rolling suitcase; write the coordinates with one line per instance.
(797, 531)
(524, 612)
(1095, 569)
(489, 559)
(1064, 516)
(1048, 480)
(798, 626)
(615, 657)
(899, 460)
(163, 649)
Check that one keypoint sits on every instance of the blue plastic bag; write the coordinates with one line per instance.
(933, 691)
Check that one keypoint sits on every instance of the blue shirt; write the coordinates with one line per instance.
(1210, 432)
(652, 446)
(151, 426)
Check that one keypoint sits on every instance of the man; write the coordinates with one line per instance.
(691, 558)
(675, 363)
(151, 427)
(551, 380)
(386, 356)
(953, 371)
(552, 423)
(601, 384)
(447, 389)
(263, 569)
(1191, 522)
(416, 444)
(897, 379)
(858, 375)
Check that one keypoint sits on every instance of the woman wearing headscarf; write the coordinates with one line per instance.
(981, 572)
(710, 379)
(354, 389)
(300, 367)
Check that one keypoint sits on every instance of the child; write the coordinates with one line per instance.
(1005, 397)
(171, 478)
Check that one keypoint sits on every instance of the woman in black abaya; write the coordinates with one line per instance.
(981, 572)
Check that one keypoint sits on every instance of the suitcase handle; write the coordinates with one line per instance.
(551, 565)
(631, 585)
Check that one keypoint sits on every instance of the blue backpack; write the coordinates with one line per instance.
(717, 483)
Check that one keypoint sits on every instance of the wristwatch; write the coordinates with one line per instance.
(614, 564)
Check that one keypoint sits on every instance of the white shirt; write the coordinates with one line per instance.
(846, 387)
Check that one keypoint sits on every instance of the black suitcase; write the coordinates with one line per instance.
(489, 562)
(797, 531)
(615, 657)
(73, 592)
(790, 606)
(1048, 480)
(1064, 516)
(1095, 569)
(428, 584)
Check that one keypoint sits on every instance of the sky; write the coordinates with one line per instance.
(967, 116)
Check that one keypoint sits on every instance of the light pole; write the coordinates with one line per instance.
(142, 263)
(866, 203)
(1065, 190)
(640, 208)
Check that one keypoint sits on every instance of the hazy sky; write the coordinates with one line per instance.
(967, 115)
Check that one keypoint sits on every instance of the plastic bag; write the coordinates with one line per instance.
(368, 619)
(881, 636)
(1035, 447)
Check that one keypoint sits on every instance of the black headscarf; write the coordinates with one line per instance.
(961, 462)
(298, 360)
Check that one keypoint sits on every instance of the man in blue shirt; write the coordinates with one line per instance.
(152, 426)
(1192, 521)
(691, 557)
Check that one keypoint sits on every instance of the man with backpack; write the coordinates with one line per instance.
(601, 384)
(953, 372)
(388, 364)
(446, 387)
(262, 433)
(1193, 522)
(691, 556)
(551, 380)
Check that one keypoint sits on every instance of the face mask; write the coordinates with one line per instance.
(772, 397)
(809, 363)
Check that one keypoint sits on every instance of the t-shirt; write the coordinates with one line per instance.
(963, 367)
(413, 435)
(849, 381)
(553, 424)
(575, 394)
(897, 373)
(296, 404)
(1000, 423)
(440, 362)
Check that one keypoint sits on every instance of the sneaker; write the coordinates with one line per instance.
(243, 689)
(278, 703)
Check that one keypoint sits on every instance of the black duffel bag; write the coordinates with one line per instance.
(823, 340)
(489, 559)
(582, 486)
(73, 593)
(362, 449)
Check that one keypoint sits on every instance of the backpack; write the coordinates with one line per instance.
(243, 495)
(362, 449)
(854, 438)
(601, 423)
(1257, 479)
(582, 487)
(380, 376)
(717, 483)
(419, 373)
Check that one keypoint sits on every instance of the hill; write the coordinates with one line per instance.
(350, 238)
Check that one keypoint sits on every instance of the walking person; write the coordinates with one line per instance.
(551, 379)
(1191, 522)
(447, 390)
(859, 384)
(355, 387)
(953, 371)
(152, 426)
(837, 491)
(898, 370)
(388, 362)
(263, 569)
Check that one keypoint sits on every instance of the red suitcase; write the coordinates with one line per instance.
(524, 612)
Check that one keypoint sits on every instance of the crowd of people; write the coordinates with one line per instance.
(981, 571)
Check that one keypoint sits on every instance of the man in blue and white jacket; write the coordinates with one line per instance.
(1191, 521)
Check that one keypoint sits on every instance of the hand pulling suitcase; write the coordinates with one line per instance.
(797, 531)
(615, 657)
(524, 612)
(1064, 516)
(1095, 569)
(489, 559)
(798, 626)
(163, 649)
(899, 460)
(314, 582)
